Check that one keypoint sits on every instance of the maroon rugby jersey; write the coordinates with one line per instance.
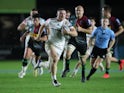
(114, 23)
(84, 22)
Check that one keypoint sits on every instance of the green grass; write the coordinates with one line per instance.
(10, 83)
(17, 6)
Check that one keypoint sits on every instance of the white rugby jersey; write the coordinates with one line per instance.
(55, 36)
(89, 35)
(29, 23)
(30, 26)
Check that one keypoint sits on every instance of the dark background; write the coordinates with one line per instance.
(12, 48)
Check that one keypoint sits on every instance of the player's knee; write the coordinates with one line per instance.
(68, 56)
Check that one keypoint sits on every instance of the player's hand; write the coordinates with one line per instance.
(108, 50)
(65, 30)
(37, 38)
(79, 28)
(22, 39)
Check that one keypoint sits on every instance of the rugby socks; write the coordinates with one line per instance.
(92, 71)
(119, 62)
(24, 65)
(107, 71)
(76, 70)
(83, 72)
(53, 77)
(33, 61)
(24, 62)
(67, 61)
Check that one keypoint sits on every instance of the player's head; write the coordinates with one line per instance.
(36, 19)
(33, 11)
(68, 14)
(93, 21)
(61, 14)
(79, 11)
(105, 22)
(106, 11)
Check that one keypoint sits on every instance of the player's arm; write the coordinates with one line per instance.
(91, 41)
(43, 38)
(21, 27)
(87, 31)
(93, 38)
(23, 36)
(40, 32)
(42, 27)
(121, 30)
(111, 44)
(70, 31)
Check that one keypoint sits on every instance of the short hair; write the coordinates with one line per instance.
(68, 11)
(34, 9)
(80, 6)
(92, 18)
(36, 16)
(59, 9)
(107, 8)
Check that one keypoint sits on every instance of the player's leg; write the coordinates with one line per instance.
(33, 59)
(120, 62)
(78, 64)
(25, 60)
(43, 64)
(81, 48)
(96, 62)
(101, 66)
(97, 56)
(37, 49)
(55, 54)
(83, 62)
(38, 70)
(108, 62)
(64, 56)
(76, 68)
(70, 50)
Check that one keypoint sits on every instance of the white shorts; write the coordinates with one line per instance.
(58, 49)
(71, 47)
(27, 40)
(89, 50)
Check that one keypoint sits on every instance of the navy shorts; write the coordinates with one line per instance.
(98, 52)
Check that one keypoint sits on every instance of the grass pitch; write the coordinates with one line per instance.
(10, 83)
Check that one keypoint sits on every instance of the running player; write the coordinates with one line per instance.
(117, 27)
(89, 50)
(83, 27)
(31, 44)
(57, 28)
(104, 41)
(46, 64)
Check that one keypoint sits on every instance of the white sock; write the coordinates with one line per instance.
(40, 71)
(24, 69)
(44, 64)
(33, 61)
(75, 71)
(54, 77)
(101, 66)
